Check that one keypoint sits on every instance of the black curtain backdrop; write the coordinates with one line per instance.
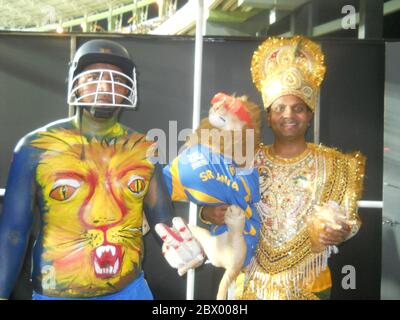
(33, 70)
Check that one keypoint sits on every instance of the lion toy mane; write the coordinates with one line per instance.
(226, 133)
(229, 140)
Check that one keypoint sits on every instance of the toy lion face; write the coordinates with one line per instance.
(224, 119)
(226, 133)
(92, 237)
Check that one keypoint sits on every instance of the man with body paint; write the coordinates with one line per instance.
(90, 178)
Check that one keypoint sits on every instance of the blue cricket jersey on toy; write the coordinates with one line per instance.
(208, 178)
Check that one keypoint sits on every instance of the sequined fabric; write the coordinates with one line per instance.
(284, 266)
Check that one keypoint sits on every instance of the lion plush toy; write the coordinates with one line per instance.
(212, 170)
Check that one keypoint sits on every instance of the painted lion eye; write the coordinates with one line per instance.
(62, 193)
(137, 185)
(64, 189)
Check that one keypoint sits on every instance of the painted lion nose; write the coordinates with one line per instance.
(103, 221)
(102, 210)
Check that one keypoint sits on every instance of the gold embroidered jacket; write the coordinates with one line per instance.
(284, 267)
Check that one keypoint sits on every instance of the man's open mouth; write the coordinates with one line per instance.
(107, 261)
(288, 124)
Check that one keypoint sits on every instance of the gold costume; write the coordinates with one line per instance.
(282, 66)
(284, 267)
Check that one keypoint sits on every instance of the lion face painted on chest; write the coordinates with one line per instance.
(92, 210)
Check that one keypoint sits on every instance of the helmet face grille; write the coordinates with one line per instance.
(103, 88)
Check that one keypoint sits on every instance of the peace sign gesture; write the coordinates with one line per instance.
(180, 248)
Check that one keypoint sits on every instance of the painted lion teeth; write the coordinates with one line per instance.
(111, 270)
(100, 250)
(107, 261)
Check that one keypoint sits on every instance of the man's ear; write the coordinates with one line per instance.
(310, 116)
(76, 92)
(268, 117)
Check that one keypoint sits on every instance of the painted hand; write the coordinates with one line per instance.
(180, 248)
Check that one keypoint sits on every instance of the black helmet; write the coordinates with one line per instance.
(102, 51)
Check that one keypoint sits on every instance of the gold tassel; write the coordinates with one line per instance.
(289, 284)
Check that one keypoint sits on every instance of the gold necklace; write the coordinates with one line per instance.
(281, 160)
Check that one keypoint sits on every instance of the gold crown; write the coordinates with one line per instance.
(282, 66)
